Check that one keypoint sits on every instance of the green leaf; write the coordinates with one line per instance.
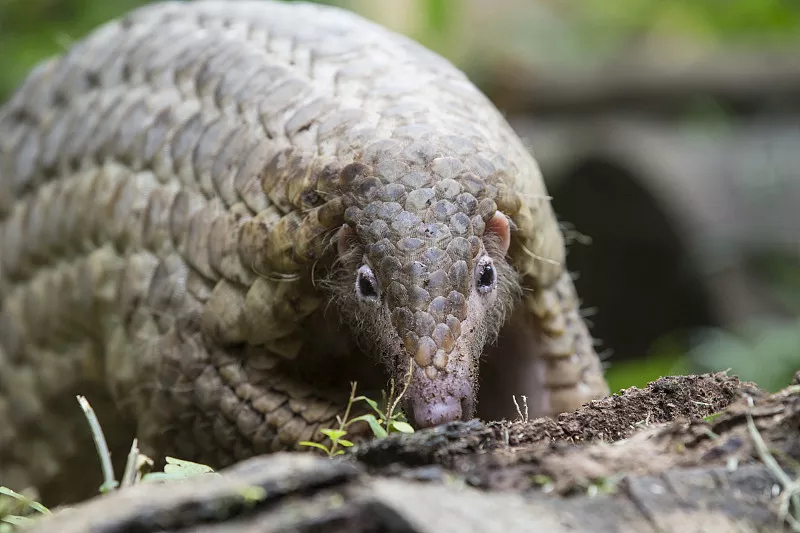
(333, 434)
(179, 469)
(345, 443)
(17, 520)
(5, 491)
(402, 427)
(374, 425)
(372, 403)
(185, 468)
(24, 499)
(315, 445)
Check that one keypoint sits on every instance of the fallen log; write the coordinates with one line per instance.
(684, 454)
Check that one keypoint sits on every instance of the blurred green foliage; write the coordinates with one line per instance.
(640, 372)
(763, 350)
(767, 21)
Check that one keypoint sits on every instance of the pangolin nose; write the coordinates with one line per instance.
(428, 414)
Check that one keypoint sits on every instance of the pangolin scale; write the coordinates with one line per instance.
(215, 215)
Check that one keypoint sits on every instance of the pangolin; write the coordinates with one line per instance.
(215, 215)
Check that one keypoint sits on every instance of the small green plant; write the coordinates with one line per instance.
(137, 462)
(9, 519)
(135, 467)
(336, 436)
(390, 420)
(381, 422)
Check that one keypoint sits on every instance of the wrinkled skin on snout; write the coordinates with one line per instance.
(426, 283)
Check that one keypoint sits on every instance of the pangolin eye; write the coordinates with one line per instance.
(366, 284)
(486, 275)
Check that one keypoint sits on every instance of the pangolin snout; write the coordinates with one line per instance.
(437, 401)
(429, 414)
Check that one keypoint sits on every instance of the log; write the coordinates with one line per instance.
(642, 460)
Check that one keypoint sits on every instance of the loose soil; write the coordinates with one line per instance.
(673, 422)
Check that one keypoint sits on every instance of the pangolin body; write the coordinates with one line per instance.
(215, 215)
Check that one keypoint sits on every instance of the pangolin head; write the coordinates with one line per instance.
(423, 279)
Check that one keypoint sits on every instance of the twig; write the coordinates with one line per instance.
(522, 417)
(133, 466)
(109, 482)
(791, 489)
(394, 403)
(343, 421)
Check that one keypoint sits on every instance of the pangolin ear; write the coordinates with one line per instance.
(344, 239)
(499, 226)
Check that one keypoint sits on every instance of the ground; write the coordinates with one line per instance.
(684, 454)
